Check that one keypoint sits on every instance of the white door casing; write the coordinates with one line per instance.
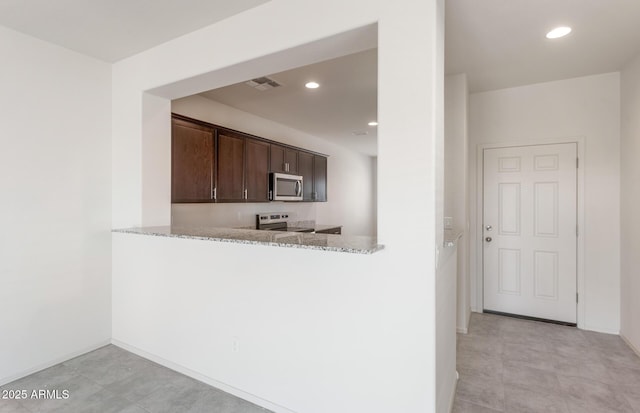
(530, 203)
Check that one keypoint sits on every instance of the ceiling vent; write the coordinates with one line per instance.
(263, 83)
(360, 133)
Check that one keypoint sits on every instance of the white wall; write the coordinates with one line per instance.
(630, 198)
(456, 203)
(350, 176)
(55, 251)
(446, 329)
(587, 107)
(387, 300)
(446, 258)
(307, 339)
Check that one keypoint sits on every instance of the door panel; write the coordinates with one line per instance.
(230, 167)
(257, 170)
(319, 178)
(192, 162)
(305, 169)
(291, 159)
(529, 231)
(545, 214)
(277, 162)
(545, 273)
(509, 271)
(509, 208)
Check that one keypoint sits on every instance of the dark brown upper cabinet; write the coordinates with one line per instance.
(283, 159)
(243, 168)
(319, 178)
(256, 170)
(230, 183)
(192, 162)
(214, 164)
(305, 169)
(313, 169)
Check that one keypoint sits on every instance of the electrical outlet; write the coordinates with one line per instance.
(448, 222)
(235, 345)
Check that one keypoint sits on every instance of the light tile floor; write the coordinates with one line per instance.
(112, 380)
(518, 366)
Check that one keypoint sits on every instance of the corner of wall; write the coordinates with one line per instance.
(629, 198)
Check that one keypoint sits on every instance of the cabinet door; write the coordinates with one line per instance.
(277, 159)
(319, 178)
(192, 162)
(305, 168)
(256, 170)
(283, 160)
(230, 182)
(291, 161)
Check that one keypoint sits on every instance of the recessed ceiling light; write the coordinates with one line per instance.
(312, 85)
(373, 123)
(558, 32)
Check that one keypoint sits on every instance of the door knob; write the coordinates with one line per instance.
(488, 239)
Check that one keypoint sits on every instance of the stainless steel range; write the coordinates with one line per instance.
(277, 221)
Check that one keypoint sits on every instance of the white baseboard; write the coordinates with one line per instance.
(630, 344)
(51, 363)
(464, 329)
(600, 330)
(205, 379)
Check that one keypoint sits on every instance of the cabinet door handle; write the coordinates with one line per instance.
(245, 194)
(215, 196)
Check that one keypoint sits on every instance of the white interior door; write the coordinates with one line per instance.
(530, 231)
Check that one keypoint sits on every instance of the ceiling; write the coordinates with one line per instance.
(501, 43)
(111, 30)
(497, 43)
(338, 111)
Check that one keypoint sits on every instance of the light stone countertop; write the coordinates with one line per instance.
(355, 244)
(296, 225)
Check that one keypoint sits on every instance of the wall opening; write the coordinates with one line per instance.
(344, 104)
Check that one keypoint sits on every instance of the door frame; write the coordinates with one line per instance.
(478, 242)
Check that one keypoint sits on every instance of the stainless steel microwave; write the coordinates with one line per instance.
(285, 187)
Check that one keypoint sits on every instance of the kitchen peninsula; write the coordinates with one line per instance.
(356, 244)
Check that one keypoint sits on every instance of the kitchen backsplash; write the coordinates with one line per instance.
(235, 215)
